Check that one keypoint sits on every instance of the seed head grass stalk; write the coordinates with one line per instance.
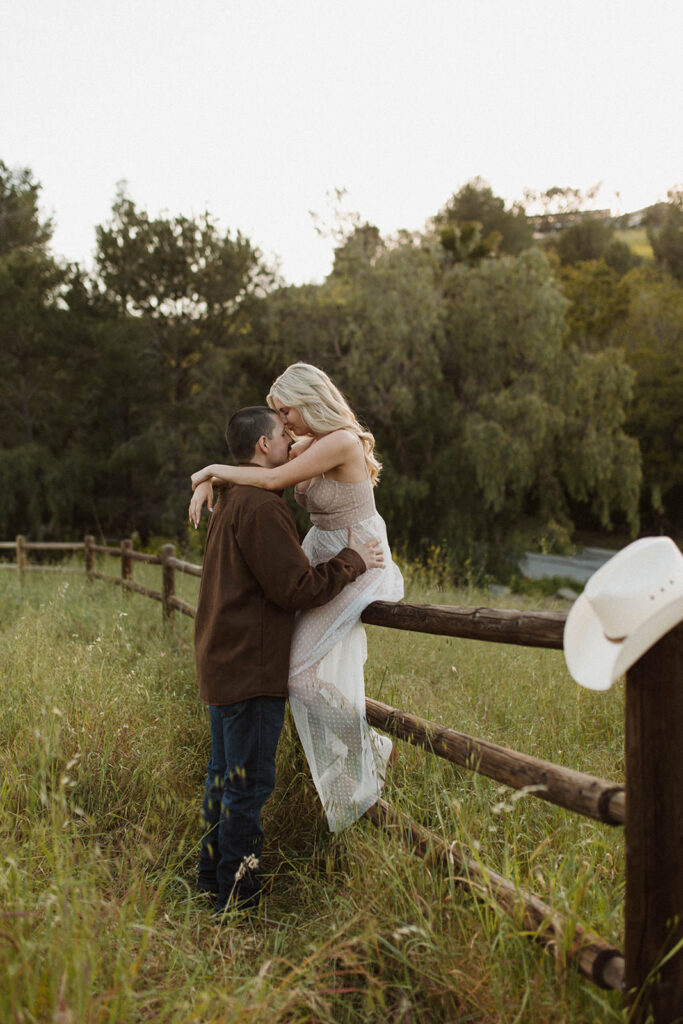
(103, 750)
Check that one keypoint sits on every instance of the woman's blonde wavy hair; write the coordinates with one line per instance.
(306, 388)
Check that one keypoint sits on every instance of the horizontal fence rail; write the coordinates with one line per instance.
(595, 958)
(530, 629)
(32, 545)
(52, 546)
(131, 585)
(140, 556)
(651, 971)
(186, 567)
(584, 794)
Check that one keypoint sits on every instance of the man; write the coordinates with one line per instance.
(255, 578)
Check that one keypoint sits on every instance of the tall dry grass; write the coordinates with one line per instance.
(103, 747)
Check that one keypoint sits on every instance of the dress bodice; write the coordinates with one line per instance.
(334, 504)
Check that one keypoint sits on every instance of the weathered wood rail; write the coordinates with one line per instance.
(650, 970)
(584, 794)
(595, 958)
(530, 629)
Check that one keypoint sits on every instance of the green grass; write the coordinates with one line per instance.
(637, 241)
(103, 747)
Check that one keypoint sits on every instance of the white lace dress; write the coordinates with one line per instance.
(346, 756)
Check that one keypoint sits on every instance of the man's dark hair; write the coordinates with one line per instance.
(245, 427)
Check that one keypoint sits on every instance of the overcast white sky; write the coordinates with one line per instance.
(256, 109)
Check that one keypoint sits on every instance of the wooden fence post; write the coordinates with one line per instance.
(89, 556)
(21, 556)
(168, 581)
(126, 560)
(654, 832)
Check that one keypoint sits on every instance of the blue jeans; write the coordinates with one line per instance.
(239, 779)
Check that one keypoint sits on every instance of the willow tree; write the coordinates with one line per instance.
(651, 336)
(537, 425)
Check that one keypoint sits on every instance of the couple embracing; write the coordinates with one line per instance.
(276, 620)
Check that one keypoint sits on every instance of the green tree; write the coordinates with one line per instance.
(597, 302)
(665, 233)
(587, 239)
(362, 245)
(29, 286)
(651, 335)
(194, 289)
(466, 243)
(36, 414)
(537, 426)
(618, 255)
(391, 369)
(188, 278)
(501, 228)
(20, 223)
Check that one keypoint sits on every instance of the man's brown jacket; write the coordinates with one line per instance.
(254, 580)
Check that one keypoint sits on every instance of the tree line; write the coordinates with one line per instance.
(518, 389)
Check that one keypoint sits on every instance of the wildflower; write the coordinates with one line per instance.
(249, 863)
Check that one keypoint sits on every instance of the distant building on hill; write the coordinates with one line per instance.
(635, 219)
(544, 224)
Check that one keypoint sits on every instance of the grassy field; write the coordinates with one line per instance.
(637, 241)
(103, 748)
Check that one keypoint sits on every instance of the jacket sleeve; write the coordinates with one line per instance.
(270, 546)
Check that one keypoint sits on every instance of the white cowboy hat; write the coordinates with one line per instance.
(625, 608)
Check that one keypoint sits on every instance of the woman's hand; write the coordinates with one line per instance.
(203, 492)
(201, 475)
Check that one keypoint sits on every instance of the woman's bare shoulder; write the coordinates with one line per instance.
(341, 445)
(347, 455)
(345, 439)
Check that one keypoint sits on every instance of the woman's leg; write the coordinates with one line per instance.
(346, 757)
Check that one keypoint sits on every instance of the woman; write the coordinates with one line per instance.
(334, 470)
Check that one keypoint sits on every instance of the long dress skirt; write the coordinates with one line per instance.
(346, 756)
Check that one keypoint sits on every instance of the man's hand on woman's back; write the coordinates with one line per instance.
(370, 551)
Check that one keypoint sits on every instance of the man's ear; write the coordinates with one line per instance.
(262, 444)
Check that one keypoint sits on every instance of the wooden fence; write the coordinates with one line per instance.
(650, 969)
